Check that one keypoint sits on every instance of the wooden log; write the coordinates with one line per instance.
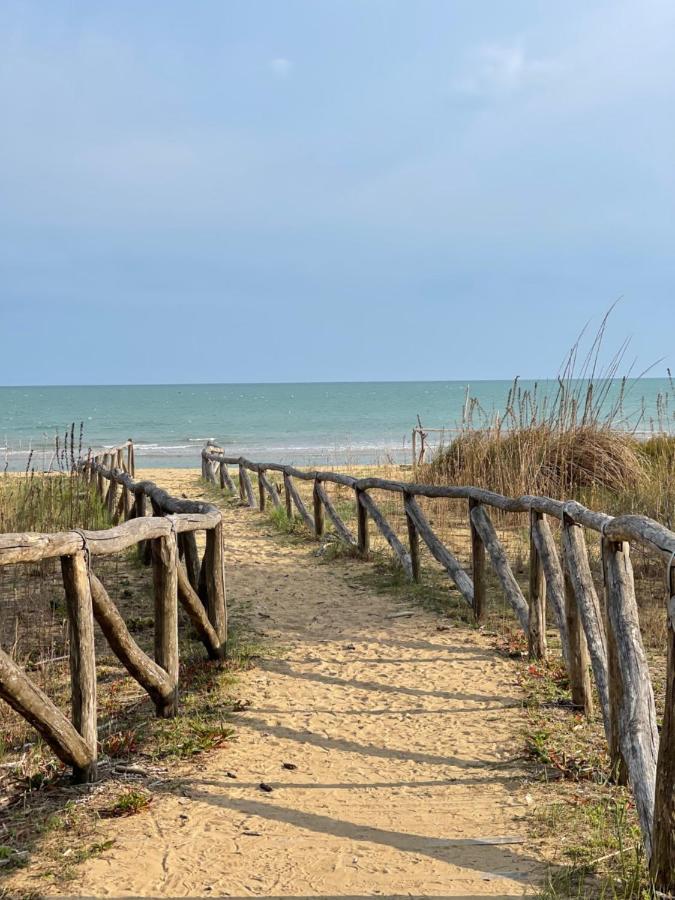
(215, 584)
(579, 662)
(340, 528)
(477, 568)
(578, 574)
(637, 712)
(193, 606)
(164, 564)
(438, 550)
(662, 865)
(287, 497)
(555, 582)
(363, 535)
(414, 545)
(501, 565)
(34, 705)
(261, 494)
(111, 498)
(144, 670)
(188, 544)
(536, 632)
(319, 525)
(248, 495)
(225, 479)
(82, 657)
(618, 762)
(375, 513)
(299, 505)
(271, 490)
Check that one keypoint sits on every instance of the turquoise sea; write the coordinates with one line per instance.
(301, 423)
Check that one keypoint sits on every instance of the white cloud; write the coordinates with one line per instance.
(280, 67)
(498, 69)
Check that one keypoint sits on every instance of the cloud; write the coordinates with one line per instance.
(500, 69)
(280, 67)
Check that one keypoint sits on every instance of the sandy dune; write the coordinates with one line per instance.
(403, 741)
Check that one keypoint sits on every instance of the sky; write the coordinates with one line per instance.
(319, 190)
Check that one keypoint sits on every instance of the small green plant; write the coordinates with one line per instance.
(130, 803)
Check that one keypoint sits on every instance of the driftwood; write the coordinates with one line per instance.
(438, 550)
(500, 564)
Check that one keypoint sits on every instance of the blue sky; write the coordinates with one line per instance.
(307, 190)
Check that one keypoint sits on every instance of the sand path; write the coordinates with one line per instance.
(405, 741)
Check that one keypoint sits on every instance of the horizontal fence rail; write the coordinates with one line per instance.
(600, 636)
(163, 528)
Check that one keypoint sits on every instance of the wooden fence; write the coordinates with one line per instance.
(599, 636)
(166, 540)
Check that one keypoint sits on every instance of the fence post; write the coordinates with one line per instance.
(363, 540)
(614, 692)
(477, 567)
(131, 459)
(165, 577)
(663, 847)
(637, 712)
(319, 523)
(261, 490)
(287, 497)
(579, 661)
(536, 634)
(82, 656)
(413, 543)
(215, 584)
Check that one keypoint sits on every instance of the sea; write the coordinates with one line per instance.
(305, 424)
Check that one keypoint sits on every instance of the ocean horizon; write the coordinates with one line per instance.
(306, 423)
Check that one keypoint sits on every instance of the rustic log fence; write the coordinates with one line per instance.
(598, 639)
(178, 572)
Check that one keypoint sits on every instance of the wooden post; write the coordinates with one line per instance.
(413, 543)
(663, 847)
(579, 663)
(188, 543)
(363, 539)
(477, 568)
(536, 633)
(319, 524)
(414, 448)
(287, 497)
(637, 712)
(111, 499)
(242, 485)
(165, 577)
(82, 656)
(215, 584)
(225, 480)
(614, 690)
(261, 492)
(131, 458)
